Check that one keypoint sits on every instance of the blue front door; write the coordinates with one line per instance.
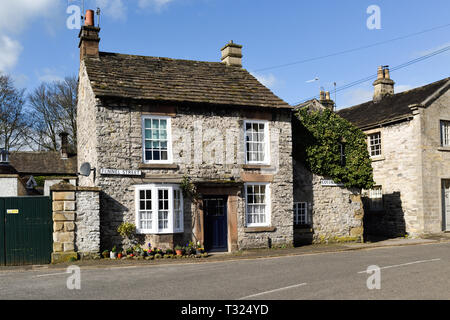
(215, 212)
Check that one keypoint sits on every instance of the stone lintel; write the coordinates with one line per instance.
(259, 229)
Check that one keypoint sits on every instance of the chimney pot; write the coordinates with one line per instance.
(384, 85)
(64, 145)
(89, 39)
(89, 20)
(326, 101)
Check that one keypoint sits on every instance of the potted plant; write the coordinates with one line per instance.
(199, 249)
(179, 250)
(105, 254)
(113, 253)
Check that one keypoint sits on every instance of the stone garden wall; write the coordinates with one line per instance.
(336, 212)
(76, 222)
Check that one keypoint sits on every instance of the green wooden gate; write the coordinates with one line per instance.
(26, 229)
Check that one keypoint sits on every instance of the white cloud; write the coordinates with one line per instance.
(268, 80)
(15, 16)
(355, 97)
(158, 5)
(9, 53)
(114, 9)
(49, 75)
(431, 50)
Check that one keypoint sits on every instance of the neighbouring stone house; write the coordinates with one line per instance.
(408, 140)
(324, 211)
(151, 126)
(32, 173)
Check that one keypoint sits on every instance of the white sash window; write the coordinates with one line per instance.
(156, 139)
(445, 133)
(256, 142)
(257, 197)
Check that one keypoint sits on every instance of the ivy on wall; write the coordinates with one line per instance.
(318, 139)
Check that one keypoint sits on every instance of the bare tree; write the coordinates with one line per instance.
(14, 122)
(54, 110)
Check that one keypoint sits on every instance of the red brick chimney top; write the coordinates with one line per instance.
(89, 20)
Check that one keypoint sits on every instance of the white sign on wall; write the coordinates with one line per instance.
(121, 172)
(330, 183)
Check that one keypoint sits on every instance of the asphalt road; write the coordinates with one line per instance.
(410, 272)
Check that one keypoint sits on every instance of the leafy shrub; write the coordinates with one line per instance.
(317, 137)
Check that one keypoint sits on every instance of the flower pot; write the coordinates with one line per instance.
(198, 251)
(179, 252)
(112, 255)
(119, 256)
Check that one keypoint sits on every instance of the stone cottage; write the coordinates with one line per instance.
(152, 128)
(408, 140)
(324, 211)
(19, 170)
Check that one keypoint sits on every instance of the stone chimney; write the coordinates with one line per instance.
(89, 40)
(384, 85)
(232, 54)
(64, 145)
(4, 156)
(326, 101)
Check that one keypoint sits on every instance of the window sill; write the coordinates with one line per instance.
(444, 149)
(158, 233)
(158, 166)
(259, 229)
(256, 166)
(378, 158)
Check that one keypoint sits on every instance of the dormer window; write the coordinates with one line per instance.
(4, 156)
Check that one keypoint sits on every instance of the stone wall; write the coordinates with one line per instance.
(207, 144)
(337, 212)
(436, 162)
(398, 171)
(76, 227)
(87, 221)
(9, 185)
(86, 126)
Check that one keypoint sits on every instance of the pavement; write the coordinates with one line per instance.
(248, 254)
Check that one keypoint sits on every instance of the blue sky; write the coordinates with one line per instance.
(36, 45)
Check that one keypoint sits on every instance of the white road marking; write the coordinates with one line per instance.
(405, 264)
(275, 290)
(50, 274)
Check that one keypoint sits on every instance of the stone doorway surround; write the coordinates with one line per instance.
(233, 193)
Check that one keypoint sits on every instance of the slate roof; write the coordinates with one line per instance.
(164, 79)
(43, 163)
(391, 107)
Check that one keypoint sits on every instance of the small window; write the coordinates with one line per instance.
(445, 133)
(376, 198)
(257, 204)
(301, 215)
(256, 142)
(156, 139)
(159, 209)
(375, 144)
